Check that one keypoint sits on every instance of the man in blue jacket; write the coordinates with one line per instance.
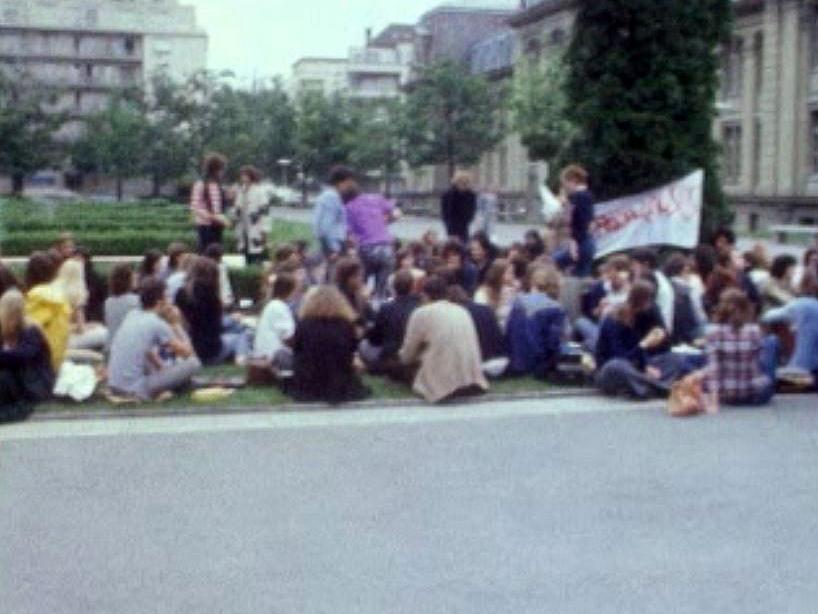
(330, 220)
(537, 326)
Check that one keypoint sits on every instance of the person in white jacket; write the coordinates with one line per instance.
(251, 216)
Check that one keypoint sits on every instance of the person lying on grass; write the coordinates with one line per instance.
(151, 353)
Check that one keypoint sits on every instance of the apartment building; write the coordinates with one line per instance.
(87, 49)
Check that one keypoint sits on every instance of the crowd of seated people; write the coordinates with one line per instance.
(442, 316)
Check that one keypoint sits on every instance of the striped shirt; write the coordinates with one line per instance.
(733, 369)
(199, 205)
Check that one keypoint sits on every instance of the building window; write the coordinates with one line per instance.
(731, 139)
(130, 45)
(813, 137)
(732, 69)
(557, 37)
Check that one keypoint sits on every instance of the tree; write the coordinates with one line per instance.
(254, 126)
(27, 128)
(113, 142)
(540, 110)
(167, 143)
(641, 86)
(376, 139)
(452, 117)
(323, 128)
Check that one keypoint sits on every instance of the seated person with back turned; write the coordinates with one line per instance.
(383, 342)
(151, 354)
(442, 341)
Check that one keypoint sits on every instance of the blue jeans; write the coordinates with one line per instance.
(379, 262)
(768, 361)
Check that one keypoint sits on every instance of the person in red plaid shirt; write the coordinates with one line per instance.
(741, 360)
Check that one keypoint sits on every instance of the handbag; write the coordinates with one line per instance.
(687, 397)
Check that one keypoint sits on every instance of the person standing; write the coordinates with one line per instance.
(369, 216)
(329, 217)
(207, 202)
(488, 205)
(581, 250)
(458, 206)
(252, 216)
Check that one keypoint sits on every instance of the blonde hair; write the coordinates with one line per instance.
(462, 180)
(12, 315)
(546, 279)
(324, 303)
(70, 281)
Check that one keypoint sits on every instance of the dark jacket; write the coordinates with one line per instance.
(26, 375)
(203, 313)
(534, 333)
(458, 209)
(390, 325)
(582, 215)
(591, 300)
(492, 343)
(324, 362)
(617, 340)
(467, 277)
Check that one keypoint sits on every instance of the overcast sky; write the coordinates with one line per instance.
(265, 37)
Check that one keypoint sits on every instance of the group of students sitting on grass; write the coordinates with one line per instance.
(453, 318)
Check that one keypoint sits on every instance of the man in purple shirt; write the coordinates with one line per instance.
(368, 219)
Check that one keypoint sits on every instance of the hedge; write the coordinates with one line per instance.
(111, 229)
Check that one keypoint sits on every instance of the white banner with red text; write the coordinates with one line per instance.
(670, 215)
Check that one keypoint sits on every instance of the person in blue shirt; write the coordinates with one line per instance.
(329, 215)
(537, 325)
(802, 315)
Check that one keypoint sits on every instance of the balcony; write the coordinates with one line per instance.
(375, 61)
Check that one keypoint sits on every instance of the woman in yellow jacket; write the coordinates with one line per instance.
(47, 306)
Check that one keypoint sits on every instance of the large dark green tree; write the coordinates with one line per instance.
(641, 85)
(452, 117)
(27, 128)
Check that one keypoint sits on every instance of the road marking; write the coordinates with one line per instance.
(317, 419)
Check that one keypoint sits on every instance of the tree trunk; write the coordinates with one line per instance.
(18, 184)
(119, 188)
(156, 191)
(387, 181)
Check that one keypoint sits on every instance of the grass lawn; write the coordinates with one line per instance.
(382, 389)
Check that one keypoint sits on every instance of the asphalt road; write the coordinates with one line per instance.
(574, 506)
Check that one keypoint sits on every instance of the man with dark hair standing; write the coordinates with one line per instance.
(330, 221)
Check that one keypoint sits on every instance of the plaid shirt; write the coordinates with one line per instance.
(733, 369)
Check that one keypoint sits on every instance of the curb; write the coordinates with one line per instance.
(160, 412)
